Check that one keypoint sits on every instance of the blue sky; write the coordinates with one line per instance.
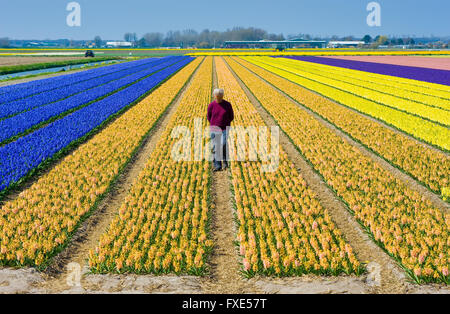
(43, 19)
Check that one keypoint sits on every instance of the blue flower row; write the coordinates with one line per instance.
(18, 158)
(23, 90)
(14, 107)
(22, 122)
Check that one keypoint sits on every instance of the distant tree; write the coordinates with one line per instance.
(130, 37)
(275, 37)
(153, 39)
(348, 38)
(367, 39)
(98, 41)
(382, 40)
(410, 41)
(141, 42)
(203, 45)
(4, 42)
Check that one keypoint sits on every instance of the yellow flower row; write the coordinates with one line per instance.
(163, 223)
(441, 98)
(297, 68)
(400, 220)
(422, 129)
(427, 88)
(429, 166)
(283, 229)
(40, 221)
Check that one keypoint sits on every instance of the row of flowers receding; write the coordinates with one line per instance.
(282, 228)
(40, 221)
(429, 166)
(400, 220)
(162, 225)
(385, 85)
(427, 131)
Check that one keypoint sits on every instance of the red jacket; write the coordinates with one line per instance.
(220, 115)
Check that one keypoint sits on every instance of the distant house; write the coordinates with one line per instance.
(119, 44)
(344, 44)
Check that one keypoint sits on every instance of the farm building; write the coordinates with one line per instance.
(292, 43)
(119, 44)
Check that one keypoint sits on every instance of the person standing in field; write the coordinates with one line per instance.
(220, 115)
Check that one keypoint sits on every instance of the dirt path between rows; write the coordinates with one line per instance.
(224, 274)
(383, 276)
(69, 271)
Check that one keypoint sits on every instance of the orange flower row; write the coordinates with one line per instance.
(40, 221)
(283, 229)
(400, 220)
(429, 166)
(162, 224)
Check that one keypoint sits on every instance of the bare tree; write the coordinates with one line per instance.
(153, 39)
(4, 42)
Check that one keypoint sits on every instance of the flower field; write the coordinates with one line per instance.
(413, 124)
(437, 75)
(283, 229)
(90, 160)
(405, 224)
(162, 225)
(428, 166)
(423, 109)
(44, 216)
(440, 63)
(323, 52)
(440, 100)
(20, 157)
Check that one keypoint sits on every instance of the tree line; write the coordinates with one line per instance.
(204, 39)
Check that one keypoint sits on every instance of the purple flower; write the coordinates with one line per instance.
(415, 73)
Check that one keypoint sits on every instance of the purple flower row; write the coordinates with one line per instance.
(415, 73)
